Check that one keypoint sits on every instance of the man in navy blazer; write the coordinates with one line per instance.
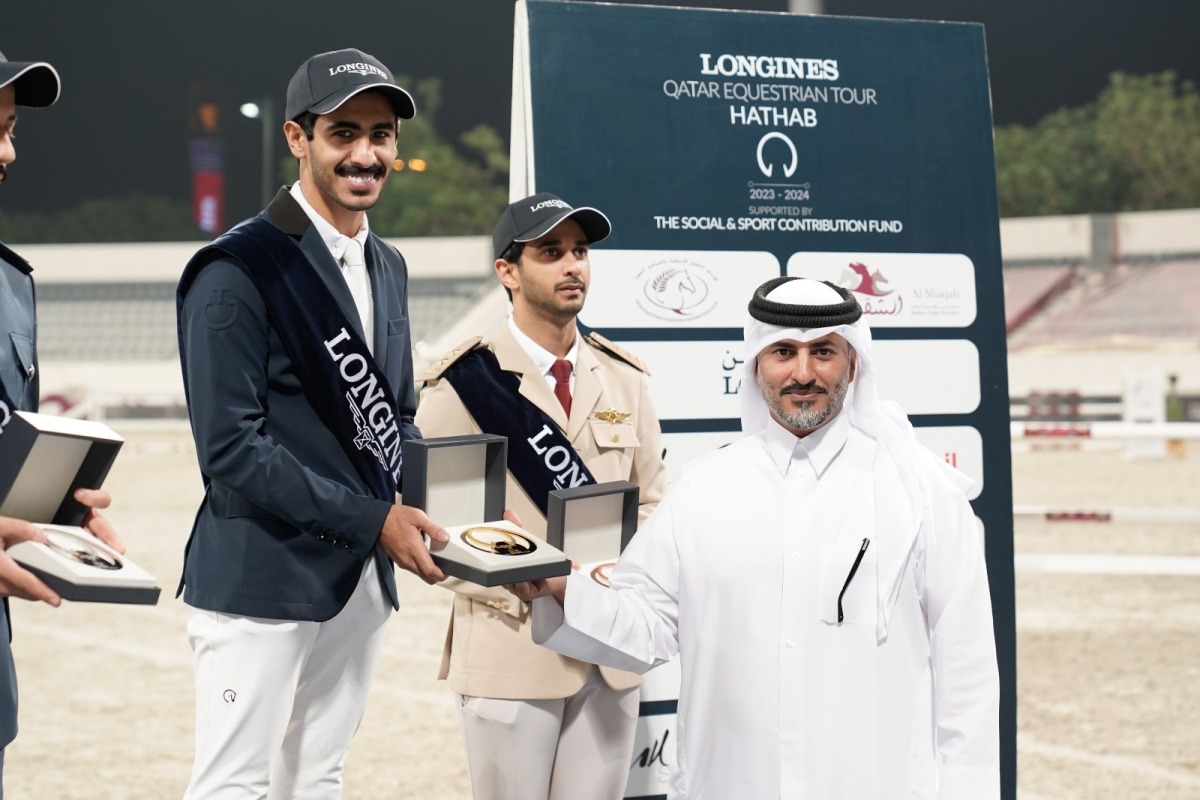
(295, 348)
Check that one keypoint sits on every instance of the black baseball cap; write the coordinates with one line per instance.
(327, 80)
(35, 82)
(533, 217)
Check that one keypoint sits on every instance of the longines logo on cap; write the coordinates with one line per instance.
(358, 68)
(550, 204)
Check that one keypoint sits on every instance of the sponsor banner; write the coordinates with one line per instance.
(899, 290)
(821, 142)
(208, 200)
(654, 744)
(929, 376)
(701, 380)
(692, 380)
(961, 446)
(653, 754)
(656, 288)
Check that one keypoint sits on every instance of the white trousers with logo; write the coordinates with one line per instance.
(573, 748)
(278, 701)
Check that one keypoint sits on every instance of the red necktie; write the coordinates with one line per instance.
(562, 383)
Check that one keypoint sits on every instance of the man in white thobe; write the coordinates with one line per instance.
(821, 579)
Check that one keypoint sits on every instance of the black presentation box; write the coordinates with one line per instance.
(593, 524)
(458, 480)
(43, 460)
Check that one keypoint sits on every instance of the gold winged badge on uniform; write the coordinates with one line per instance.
(611, 415)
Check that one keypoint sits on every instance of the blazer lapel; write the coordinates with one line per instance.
(378, 300)
(533, 385)
(287, 215)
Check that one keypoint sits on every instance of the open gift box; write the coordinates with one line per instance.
(43, 460)
(593, 524)
(459, 482)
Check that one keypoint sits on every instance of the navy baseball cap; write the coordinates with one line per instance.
(533, 217)
(35, 82)
(327, 80)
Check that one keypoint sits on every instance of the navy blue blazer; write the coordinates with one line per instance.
(286, 524)
(19, 376)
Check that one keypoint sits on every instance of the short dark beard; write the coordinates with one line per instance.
(804, 419)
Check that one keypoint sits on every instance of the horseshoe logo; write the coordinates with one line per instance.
(766, 168)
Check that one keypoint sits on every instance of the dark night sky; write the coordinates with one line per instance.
(129, 69)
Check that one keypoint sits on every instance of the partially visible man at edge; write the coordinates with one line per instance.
(296, 356)
(822, 581)
(29, 85)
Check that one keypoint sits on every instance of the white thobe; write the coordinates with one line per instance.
(738, 572)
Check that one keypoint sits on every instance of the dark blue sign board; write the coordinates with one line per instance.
(732, 147)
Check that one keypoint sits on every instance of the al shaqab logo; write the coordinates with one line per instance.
(677, 290)
(863, 280)
(869, 282)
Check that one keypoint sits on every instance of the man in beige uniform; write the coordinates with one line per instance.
(537, 724)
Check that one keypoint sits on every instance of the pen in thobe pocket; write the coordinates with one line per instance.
(853, 569)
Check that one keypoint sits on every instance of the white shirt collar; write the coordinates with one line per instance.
(336, 242)
(818, 448)
(542, 358)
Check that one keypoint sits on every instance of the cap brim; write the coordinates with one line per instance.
(595, 225)
(36, 83)
(402, 101)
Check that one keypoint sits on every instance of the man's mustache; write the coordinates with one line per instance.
(347, 171)
(811, 386)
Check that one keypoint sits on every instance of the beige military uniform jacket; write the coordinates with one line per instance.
(489, 652)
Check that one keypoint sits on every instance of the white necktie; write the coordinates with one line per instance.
(354, 270)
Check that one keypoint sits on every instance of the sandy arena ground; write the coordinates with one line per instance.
(1109, 665)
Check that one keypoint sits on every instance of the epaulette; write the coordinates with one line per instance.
(14, 259)
(442, 364)
(599, 342)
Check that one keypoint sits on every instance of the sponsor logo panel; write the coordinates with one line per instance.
(961, 446)
(667, 289)
(929, 376)
(701, 380)
(692, 380)
(899, 290)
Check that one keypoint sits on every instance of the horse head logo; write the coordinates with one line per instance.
(677, 290)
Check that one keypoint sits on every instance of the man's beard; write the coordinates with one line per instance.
(805, 418)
